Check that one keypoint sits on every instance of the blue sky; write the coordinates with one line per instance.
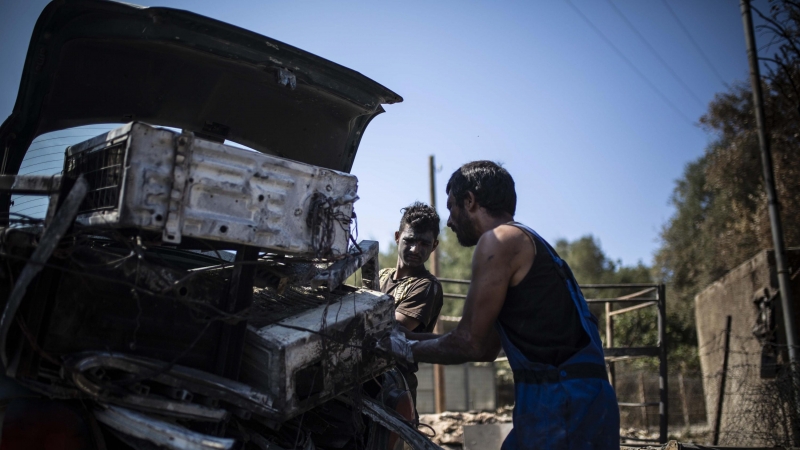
(594, 144)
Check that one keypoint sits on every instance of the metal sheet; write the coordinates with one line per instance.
(235, 195)
(158, 432)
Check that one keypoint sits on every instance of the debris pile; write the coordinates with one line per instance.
(449, 426)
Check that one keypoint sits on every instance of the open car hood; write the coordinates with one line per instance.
(98, 61)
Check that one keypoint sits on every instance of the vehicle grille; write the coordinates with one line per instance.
(102, 169)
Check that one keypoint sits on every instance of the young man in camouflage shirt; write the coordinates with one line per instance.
(417, 293)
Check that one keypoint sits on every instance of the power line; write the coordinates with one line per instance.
(57, 152)
(63, 137)
(630, 64)
(655, 53)
(694, 43)
(45, 170)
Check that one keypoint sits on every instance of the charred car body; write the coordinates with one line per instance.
(126, 299)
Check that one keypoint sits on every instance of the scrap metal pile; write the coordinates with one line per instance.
(125, 296)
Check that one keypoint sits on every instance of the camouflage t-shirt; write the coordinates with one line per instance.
(418, 296)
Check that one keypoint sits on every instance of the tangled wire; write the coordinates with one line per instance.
(323, 219)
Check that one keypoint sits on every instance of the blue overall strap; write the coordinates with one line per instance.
(593, 353)
(569, 407)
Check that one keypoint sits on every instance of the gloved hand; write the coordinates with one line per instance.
(396, 345)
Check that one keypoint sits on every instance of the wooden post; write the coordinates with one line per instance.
(643, 399)
(723, 377)
(684, 401)
(612, 376)
(438, 370)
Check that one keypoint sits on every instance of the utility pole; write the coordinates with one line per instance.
(438, 369)
(769, 183)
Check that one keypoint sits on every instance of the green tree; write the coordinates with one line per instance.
(721, 216)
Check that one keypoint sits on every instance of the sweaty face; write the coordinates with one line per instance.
(466, 231)
(415, 247)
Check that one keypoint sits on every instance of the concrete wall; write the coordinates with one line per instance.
(733, 295)
(468, 387)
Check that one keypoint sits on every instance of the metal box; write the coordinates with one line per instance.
(155, 179)
(308, 358)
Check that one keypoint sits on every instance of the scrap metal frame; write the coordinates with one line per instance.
(657, 298)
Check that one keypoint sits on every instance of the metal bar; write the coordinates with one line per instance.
(621, 300)
(769, 184)
(639, 404)
(50, 239)
(636, 294)
(370, 272)
(338, 272)
(446, 295)
(454, 281)
(643, 398)
(618, 286)
(392, 422)
(625, 358)
(438, 369)
(638, 439)
(663, 384)
(582, 286)
(631, 308)
(466, 387)
(723, 377)
(239, 297)
(30, 184)
(631, 351)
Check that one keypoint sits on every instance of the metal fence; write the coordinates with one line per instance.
(646, 296)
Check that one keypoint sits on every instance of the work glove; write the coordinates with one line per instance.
(396, 345)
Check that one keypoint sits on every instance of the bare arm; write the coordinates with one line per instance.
(475, 339)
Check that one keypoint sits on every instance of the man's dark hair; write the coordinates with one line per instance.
(420, 217)
(491, 184)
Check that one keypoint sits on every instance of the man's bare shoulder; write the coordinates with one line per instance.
(506, 240)
(503, 236)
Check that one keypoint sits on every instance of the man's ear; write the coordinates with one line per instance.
(397, 237)
(470, 204)
(435, 244)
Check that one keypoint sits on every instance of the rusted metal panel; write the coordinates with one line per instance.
(183, 186)
(310, 357)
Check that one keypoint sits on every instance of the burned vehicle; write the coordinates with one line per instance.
(181, 291)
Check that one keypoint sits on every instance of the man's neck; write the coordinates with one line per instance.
(404, 271)
(486, 222)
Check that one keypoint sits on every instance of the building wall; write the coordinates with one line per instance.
(734, 294)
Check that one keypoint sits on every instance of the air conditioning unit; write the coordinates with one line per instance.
(181, 186)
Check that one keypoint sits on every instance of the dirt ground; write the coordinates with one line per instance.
(447, 428)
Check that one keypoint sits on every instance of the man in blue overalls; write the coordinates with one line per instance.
(524, 297)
